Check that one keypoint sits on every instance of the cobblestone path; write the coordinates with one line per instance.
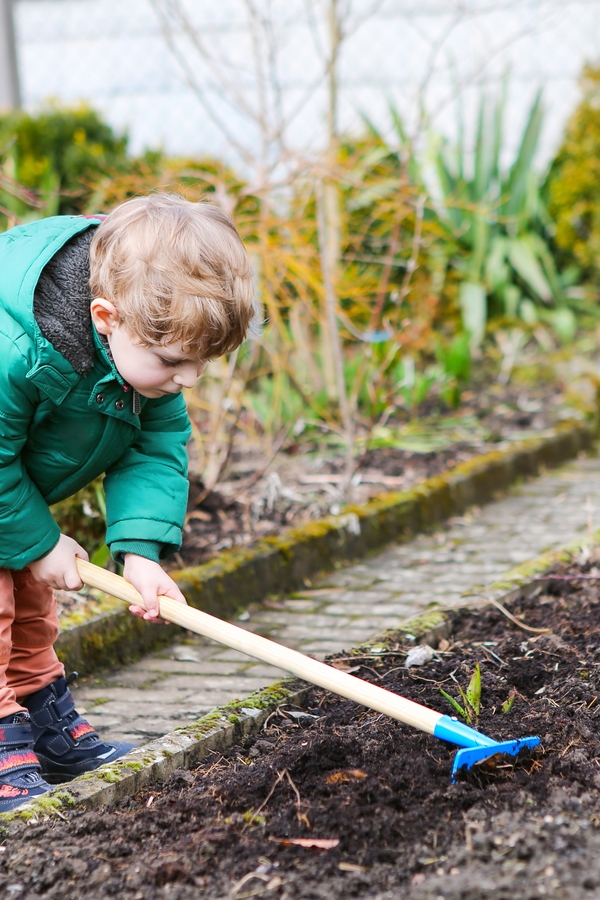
(189, 678)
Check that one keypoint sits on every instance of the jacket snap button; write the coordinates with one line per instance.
(119, 404)
(99, 398)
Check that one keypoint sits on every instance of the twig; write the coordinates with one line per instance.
(385, 275)
(280, 777)
(516, 621)
(412, 263)
(214, 464)
(336, 345)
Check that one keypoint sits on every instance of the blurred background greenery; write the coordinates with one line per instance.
(389, 277)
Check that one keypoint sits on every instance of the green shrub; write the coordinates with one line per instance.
(573, 183)
(57, 152)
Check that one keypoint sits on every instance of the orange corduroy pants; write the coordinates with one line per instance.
(28, 630)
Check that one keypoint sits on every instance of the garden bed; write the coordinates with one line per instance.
(331, 800)
(258, 496)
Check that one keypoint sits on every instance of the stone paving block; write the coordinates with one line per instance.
(266, 672)
(204, 667)
(228, 655)
(321, 648)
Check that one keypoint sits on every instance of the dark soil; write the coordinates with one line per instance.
(258, 496)
(378, 791)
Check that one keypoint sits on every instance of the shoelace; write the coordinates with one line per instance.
(31, 778)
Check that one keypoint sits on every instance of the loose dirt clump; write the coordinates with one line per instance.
(334, 801)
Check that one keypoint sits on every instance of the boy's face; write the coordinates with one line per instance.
(152, 371)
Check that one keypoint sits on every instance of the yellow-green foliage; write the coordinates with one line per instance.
(55, 153)
(574, 181)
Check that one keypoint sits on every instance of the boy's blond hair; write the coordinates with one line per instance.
(175, 271)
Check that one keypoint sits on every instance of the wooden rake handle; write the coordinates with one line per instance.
(267, 651)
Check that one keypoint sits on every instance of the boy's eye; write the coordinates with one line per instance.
(170, 363)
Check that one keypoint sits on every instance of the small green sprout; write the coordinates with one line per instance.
(253, 818)
(508, 703)
(471, 698)
(456, 706)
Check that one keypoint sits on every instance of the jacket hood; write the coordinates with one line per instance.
(24, 252)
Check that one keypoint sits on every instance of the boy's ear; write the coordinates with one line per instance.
(104, 315)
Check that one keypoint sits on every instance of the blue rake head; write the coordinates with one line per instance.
(478, 747)
(471, 756)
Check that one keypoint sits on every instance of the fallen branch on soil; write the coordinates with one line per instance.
(516, 621)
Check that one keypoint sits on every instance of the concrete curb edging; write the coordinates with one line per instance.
(227, 725)
(280, 565)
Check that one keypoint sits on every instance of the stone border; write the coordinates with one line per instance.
(275, 566)
(227, 725)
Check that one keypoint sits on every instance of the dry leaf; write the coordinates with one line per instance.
(310, 843)
(198, 514)
(351, 867)
(345, 775)
(344, 665)
(443, 645)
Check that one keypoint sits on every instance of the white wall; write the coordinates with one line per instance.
(416, 53)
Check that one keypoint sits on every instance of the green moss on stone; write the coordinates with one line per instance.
(109, 776)
(41, 807)
(203, 726)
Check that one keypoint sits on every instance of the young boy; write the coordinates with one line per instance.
(103, 321)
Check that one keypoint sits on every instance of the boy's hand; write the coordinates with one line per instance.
(58, 568)
(150, 580)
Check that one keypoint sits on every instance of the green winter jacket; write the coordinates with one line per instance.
(59, 430)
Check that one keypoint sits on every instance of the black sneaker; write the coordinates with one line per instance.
(20, 778)
(65, 744)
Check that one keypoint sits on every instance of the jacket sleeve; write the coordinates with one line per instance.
(147, 488)
(27, 529)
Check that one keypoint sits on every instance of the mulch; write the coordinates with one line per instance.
(334, 801)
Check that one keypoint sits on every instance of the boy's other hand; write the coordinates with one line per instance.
(151, 580)
(58, 568)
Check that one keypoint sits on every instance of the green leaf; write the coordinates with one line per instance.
(542, 250)
(498, 130)
(482, 182)
(508, 703)
(100, 499)
(456, 358)
(528, 311)
(474, 690)
(563, 322)
(497, 271)
(101, 556)
(512, 298)
(455, 706)
(524, 260)
(516, 187)
(473, 305)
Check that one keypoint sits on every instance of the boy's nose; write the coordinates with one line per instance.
(187, 377)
